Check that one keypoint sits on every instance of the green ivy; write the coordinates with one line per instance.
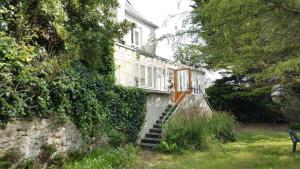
(57, 60)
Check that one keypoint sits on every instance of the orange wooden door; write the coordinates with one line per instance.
(182, 83)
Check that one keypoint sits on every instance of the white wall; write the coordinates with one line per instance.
(147, 35)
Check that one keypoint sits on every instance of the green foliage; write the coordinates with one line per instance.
(247, 103)
(106, 158)
(221, 125)
(257, 147)
(166, 148)
(196, 132)
(56, 59)
(46, 153)
(256, 39)
(29, 164)
(250, 36)
(58, 161)
(116, 138)
(94, 104)
(11, 158)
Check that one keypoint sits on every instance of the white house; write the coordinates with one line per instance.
(136, 60)
(137, 65)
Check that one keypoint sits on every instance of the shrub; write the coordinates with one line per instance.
(46, 153)
(196, 132)
(58, 160)
(221, 126)
(188, 133)
(166, 148)
(29, 164)
(116, 138)
(248, 104)
(11, 157)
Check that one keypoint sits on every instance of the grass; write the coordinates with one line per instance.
(107, 158)
(257, 147)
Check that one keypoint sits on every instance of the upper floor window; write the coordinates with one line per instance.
(136, 37)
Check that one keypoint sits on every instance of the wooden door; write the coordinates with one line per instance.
(182, 84)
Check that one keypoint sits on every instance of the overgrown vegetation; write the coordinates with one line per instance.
(57, 60)
(248, 104)
(255, 103)
(258, 42)
(106, 158)
(256, 147)
(197, 132)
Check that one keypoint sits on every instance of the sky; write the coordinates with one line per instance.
(160, 12)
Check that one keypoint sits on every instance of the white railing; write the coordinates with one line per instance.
(182, 99)
(176, 104)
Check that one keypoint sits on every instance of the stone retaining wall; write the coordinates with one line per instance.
(29, 136)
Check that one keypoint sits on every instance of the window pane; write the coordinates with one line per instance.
(170, 79)
(155, 77)
(164, 79)
(137, 38)
(159, 81)
(143, 75)
(136, 74)
(132, 36)
(149, 76)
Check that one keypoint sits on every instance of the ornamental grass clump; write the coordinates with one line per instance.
(196, 132)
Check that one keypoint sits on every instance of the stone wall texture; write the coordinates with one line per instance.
(29, 136)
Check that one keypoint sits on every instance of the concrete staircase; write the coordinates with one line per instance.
(152, 139)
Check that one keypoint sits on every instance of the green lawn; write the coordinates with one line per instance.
(257, 147)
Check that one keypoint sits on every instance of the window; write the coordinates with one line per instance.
(159, 78)
(136, 37)
(149, 76)
(136, 74)
(170, 79)
(164, 79)
(155, 77)
(142, 75)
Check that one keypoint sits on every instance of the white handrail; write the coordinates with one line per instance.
(179, 99)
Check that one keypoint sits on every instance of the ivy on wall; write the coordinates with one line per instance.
(57, 60)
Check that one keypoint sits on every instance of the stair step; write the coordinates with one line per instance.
(166, 113)
(158, 121)
(149, 146)
(153, 135)
(162, 117)
(154, 130)
(151, 140)
(157, 126)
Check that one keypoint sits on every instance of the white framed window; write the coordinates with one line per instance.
(136, 37)
(136, 75)
(159, 78)
(142, 75)
(149, 76)
(155, 77)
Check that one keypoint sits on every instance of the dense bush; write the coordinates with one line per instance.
(248, 104)
(221, 126)
(197, 132)
(57, 59)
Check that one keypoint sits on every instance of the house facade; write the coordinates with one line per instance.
(136, 60)
(171, 84)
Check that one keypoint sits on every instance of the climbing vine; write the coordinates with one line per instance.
(56, 60)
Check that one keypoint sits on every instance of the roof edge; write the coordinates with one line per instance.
(142, 19)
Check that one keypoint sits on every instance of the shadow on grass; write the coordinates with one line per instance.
(255, 149)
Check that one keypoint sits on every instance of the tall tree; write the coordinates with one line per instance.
(258, 38)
